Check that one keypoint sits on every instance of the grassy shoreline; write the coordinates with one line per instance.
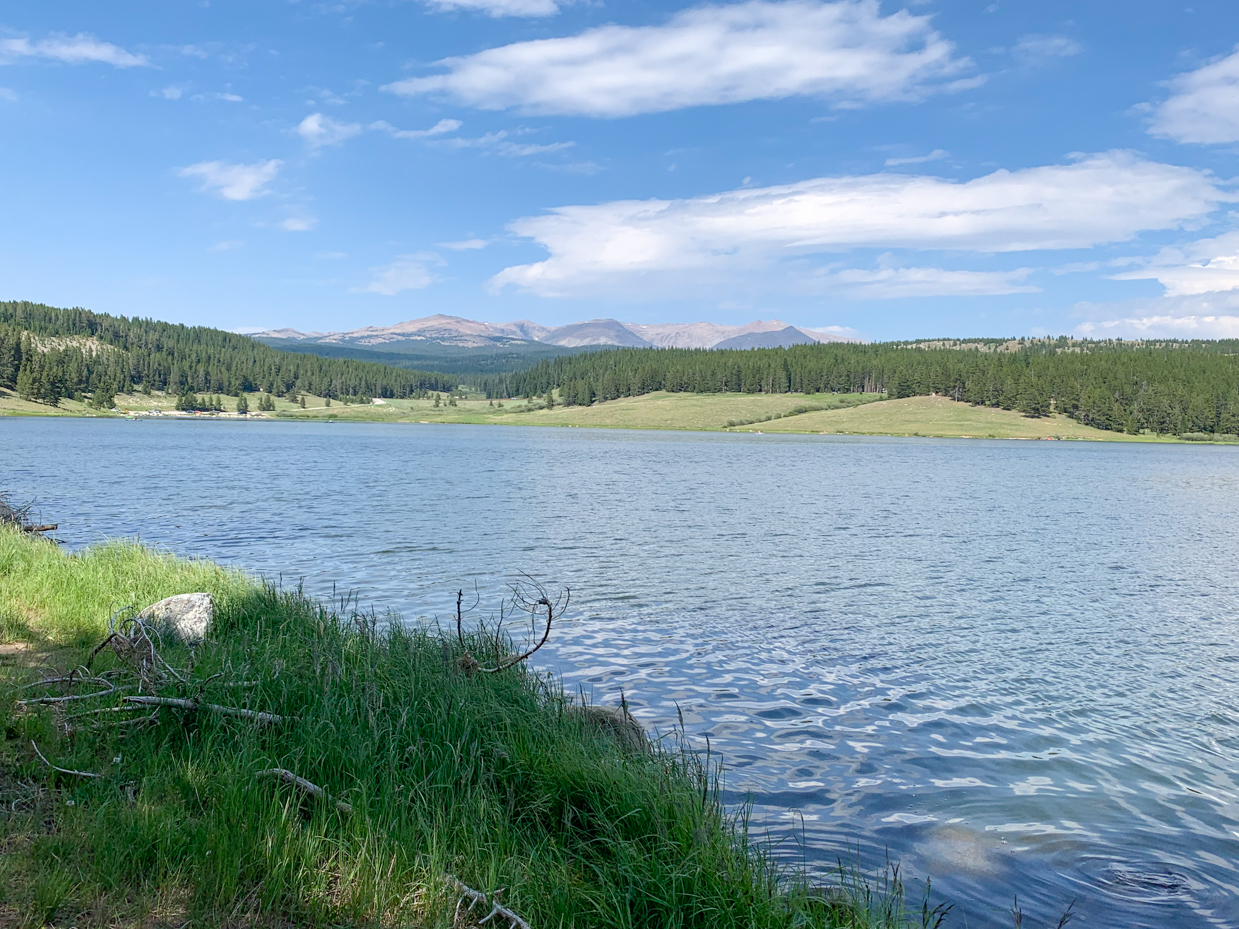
(491, 778)
(820, 414)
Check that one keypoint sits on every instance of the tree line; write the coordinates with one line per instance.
(49, 354)
(1172, 387)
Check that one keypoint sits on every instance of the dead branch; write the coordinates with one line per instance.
(532, 606)
(106, 709)
(61, 770)
(100, 693)
(180, 704)
(475, 897)
(304, 786)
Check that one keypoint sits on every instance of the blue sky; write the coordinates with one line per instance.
(897, 171)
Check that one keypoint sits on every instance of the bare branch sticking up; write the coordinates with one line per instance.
(304, 786)
(475, 897)
(532, 605)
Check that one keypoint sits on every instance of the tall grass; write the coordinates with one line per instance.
(47, 595)
(482, 776)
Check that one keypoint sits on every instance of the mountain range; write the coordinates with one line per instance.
(468, 333)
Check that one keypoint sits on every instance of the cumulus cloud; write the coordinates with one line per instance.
(845, 52)
(318, 130)
(407, 272)
(299, 223)
(1203, 105)
(171, 92)
(1108, 197)
(442, 127)
(234, 181)
(77, 49)
(500, 7)
(1205, 266)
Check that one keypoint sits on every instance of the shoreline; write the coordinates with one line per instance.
(784, 414)
(422, 772)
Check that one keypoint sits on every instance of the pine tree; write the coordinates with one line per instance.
(243, 404)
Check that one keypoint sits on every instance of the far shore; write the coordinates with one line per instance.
(813, 414)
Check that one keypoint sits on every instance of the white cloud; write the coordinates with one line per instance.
(1193, 318)
(299, 223)
(936, 155)
(841, 331)
(498, 141)
(500, 7)
(466, 245)
(171, 92)
(1107, 197)
(844, 51)
(7, 93)
(1205, 266)
(442, 127)
(226, 246)
(1035, 49)
(318, 130)
(407, 272)
(78, 49)
(1203, 105)
(234, 181)
(891, 283)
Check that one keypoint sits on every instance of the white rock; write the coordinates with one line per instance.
(186, 616)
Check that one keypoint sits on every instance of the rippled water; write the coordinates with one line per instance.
(1011, 663)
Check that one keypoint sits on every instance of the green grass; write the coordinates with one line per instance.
(857, 414)
(484, 776)
(938, 416)
(47, 596)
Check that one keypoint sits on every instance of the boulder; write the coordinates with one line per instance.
(616, 722)
(185, 617)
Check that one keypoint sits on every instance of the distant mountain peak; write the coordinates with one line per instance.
(469, 333)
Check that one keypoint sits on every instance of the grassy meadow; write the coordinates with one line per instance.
(938, 416)
(854, 414)
(430, 769)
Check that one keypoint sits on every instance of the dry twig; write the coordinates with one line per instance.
(304, 786)
(182, 704)
(475, 897)
(61, 770)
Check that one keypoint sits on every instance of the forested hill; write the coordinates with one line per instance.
(48, 354)
(1164, 387)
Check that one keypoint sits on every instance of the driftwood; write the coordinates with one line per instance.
(48, 527)
(475, 897)
(181, 704)
(304, 786)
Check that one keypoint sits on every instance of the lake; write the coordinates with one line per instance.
(1012, 664)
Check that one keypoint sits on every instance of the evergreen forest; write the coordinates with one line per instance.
(49, 354)
(1165, 387)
